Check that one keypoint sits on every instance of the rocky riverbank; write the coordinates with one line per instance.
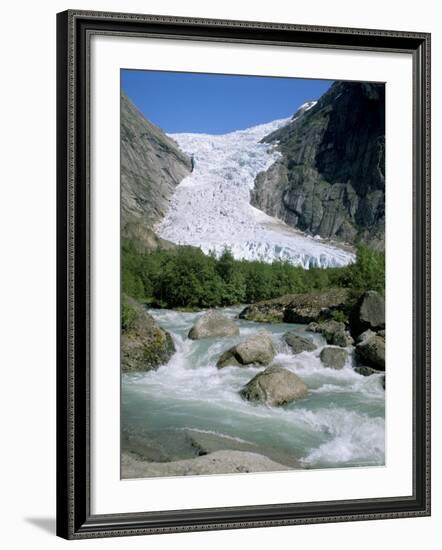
(361, 322)
(252, 396)
(218, 462)
(299, 308)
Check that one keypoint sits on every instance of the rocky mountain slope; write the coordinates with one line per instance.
(152, 165)
(330, 179)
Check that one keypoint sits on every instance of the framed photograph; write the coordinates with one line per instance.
(243, 274)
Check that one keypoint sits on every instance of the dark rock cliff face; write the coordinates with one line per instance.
(152, 166)
(330, 180)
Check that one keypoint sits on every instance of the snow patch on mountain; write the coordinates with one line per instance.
(303, 108)
(211, 207)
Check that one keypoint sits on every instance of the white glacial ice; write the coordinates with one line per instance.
(211, 207)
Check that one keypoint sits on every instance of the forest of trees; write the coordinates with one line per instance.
(185, 277)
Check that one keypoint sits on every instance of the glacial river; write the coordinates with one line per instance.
(339, 424)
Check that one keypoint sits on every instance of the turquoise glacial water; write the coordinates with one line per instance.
(340, 424)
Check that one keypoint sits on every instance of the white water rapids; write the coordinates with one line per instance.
(211, 207)
(340, 423)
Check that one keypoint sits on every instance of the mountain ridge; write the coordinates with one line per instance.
(152, 166)
(330, 179)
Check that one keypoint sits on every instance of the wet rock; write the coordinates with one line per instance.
(366, 371)
(211, 324)
(371, 351)
(144, 344)
(275, 386)
(297, 343)
(342, 338)
(258, 349)
(205, 443)
(334, 332)
(267, 311)
(368, 313)
(334, 358)
(365, 335)
(369, 371)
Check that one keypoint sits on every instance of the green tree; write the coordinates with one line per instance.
(189, 279)
(233, 280)
(368, 272)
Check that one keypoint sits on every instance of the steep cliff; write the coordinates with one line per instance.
(330, 179)
(152, 165)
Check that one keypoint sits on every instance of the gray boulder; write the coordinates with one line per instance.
(366, 371)
(144, 344)
(342, 338)
(333, 358)
(275, 386)
(213, 323)
(297, 343)
(364, 336)
(257, 349)
(334, 332)
(371, 351)
(368, 313)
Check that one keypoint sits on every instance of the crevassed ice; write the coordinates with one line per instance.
(211, 207)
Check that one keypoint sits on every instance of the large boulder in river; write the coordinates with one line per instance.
(368, 313)
(371, 351)
(333, 358)
(297, 343)
(144, 344)
(275, 386)
(213, 323)
(299, 308)
(258, 349)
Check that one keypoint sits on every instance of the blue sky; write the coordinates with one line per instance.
(216, 104)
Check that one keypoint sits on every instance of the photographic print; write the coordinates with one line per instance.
(227, 257)
(252, 274)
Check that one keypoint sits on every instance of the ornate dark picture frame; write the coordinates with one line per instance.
(74, 31)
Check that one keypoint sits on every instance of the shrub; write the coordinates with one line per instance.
(368, 272)
(128, 316)
(339, 315)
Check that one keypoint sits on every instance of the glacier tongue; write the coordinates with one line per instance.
(211, 207)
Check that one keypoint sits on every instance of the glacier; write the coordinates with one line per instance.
(211, 208)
